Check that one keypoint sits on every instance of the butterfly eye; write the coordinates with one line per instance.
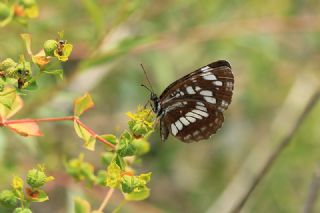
(153, 96)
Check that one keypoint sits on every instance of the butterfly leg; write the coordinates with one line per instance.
(164, 132)
(146, 104)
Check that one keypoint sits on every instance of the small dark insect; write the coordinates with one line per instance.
(21, 82)
(192, 107)
(60, 47)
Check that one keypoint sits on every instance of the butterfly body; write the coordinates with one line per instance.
(191, 108)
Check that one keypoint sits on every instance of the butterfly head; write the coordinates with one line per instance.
(155, 101)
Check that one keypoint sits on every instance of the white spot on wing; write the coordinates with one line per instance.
(195, 133)
(202, 108)
(203, 128)
(191, 119)
(179, 125)
(206, 93)
(174, 130)
(210, 100)
(209, 77)
(206, 69)
(217, 83)
(204, 114)
(229, 86)
(200, 103)
(187, 137)
(197, 88)
(184, 121)
(221, 109)
(224, 103)
(190, 90)
(192, 114)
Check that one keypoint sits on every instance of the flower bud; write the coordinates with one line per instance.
(36, 178)
(22, 210)
(49, 47)
(106, 158)
(141, 146)
(8, 199)
(7, 64)
(4, 11)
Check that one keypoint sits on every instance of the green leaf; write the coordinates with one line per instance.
(32, 86)
(137, 196)
(86, 136)
(82, 104)
(80, 170)
(131, 184)
(120, 162)
(56, 72)
(141, 146)
(113, 175)
(41, 196)
(11, 107)
(110, 138)
(107, 157)
(6, 18)
(81, 206)
(17, 187)
(102, 178)
(27, 41)
(7, 97)
(125, 147)
(25, 129)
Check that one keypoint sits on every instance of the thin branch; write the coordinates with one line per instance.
(67, 118)
(283, 144)
(38, 120)
(313, 192)
(106, 200)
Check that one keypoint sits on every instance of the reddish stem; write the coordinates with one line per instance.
(68, 118)
(38, 120)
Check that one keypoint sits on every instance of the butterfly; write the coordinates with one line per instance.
(191, 108)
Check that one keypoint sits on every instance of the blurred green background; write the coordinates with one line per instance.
(273, 47)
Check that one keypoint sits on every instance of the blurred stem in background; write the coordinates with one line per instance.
(261, 160)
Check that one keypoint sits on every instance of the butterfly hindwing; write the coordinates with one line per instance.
(192, 120)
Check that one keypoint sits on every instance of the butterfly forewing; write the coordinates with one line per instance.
(192, 106)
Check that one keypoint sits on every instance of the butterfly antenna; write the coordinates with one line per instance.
(145, 73)
(147, 88)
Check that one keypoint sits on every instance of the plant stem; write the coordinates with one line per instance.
(38, 120)
(67, 118)
(106, 200)
(313, 192)
(276, 153)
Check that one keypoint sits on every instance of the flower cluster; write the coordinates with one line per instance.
(22, 75)
(36, 178)
(21, 11)
(131, 144)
